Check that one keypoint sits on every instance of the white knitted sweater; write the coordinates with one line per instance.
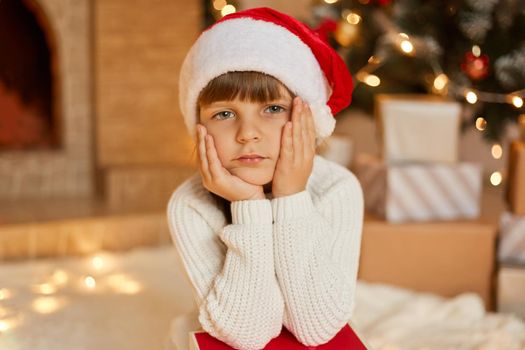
(288, 261)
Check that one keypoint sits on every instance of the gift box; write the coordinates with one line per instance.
(339, 149)
(444, 258)
(511, 248)
(420, 192)
(345, 339)
(417, 128)
(515, 193)
(511, 290)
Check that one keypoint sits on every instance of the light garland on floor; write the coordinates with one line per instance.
(52, 294)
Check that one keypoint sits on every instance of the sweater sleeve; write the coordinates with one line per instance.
(239, 299)
(316, 259)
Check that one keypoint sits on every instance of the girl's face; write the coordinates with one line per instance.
(241, 128)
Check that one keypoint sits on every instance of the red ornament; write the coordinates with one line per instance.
(325, 28)
(476, 67)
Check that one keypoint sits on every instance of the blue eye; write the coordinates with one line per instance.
(222, 115)
(275, 109)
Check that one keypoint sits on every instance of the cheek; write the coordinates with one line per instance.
(276, 136)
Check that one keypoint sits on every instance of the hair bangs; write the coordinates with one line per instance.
(246, 86)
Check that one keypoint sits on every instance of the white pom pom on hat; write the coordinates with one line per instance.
(267, 41)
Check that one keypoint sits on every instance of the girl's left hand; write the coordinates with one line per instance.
(295, 162)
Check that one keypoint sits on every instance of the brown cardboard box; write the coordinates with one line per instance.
(446, 258)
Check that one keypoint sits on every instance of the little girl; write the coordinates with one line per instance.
(267, 231)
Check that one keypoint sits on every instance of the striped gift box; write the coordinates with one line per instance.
(372, 175)
(420, 192)
(511, 247)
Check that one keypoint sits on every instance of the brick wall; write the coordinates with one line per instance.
(139, 48)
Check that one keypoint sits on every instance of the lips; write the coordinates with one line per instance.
(250, 156)
(251, 159)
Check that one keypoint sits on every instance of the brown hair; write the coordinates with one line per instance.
(247, 86)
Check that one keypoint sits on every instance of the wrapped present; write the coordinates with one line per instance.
(410, 255)
(345, 339)
(515, 193)
(511, 290)
(371, 173)
(339, 149)
(511, 247)
(418, 128)
(420, 192)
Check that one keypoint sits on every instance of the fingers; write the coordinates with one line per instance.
(203, 158)
(303, 129)
(286, 142)
(297, 129)
(310, 127)
(214, 163)
(211, 168)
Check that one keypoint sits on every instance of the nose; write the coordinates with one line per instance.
(248, 131)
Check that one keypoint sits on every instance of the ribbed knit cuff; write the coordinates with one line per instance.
(251, 211)
(293, 206)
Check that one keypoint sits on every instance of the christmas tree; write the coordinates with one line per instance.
(471, 50)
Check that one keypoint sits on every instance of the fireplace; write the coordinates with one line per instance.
(46, 146)
(27, 119)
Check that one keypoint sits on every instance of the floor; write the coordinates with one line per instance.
(127, 300)
(107, 301)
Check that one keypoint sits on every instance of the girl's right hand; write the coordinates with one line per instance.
(218, 179)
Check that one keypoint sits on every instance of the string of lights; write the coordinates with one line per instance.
(395, 40)
(419, 47)
(441, 83)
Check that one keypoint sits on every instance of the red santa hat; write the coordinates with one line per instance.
(268, 41)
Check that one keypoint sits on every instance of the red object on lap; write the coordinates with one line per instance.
(346, 339)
